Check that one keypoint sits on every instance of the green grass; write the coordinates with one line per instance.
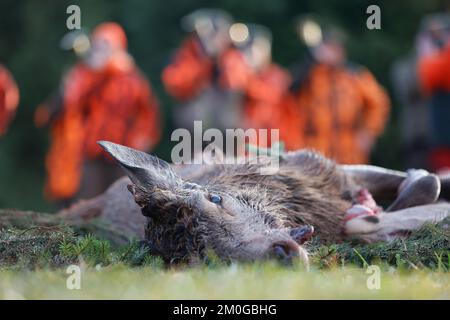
(33, 262)
(256, 281)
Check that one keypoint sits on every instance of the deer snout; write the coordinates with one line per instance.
(302, 234)
(286, 248)
(285, 251)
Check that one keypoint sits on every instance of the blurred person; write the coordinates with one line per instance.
(103, 97)
(414, 112)
(9, 99)
(206, 73)
(78, 43)
(336, 107)
(434, 75)
(266, 82)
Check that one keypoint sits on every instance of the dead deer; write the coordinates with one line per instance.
(234, 211)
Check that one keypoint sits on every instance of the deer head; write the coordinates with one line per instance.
(186, 219)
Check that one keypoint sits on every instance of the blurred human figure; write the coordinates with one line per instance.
(205, 73)
(77, 42)
(103, 97)
(434, 75)
(9, 99)
(338, 107)
(266, 83)
(414, 112)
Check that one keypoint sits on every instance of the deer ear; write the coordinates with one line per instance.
(144, 170)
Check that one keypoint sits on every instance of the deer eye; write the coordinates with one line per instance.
(215, 198)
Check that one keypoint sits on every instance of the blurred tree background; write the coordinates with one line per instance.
(30, 31)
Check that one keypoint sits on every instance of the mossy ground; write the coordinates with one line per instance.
(33, 261)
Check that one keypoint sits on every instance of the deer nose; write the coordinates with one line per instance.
(285, 250)
(302, 234)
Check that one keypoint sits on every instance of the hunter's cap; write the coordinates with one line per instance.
(112, 32)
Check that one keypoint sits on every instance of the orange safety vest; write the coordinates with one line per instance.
(111, 104)
(332, 110)
(9, 99)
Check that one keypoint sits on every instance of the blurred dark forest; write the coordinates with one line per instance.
(30, 31)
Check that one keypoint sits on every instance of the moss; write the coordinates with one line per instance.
(428, 247)
(35, 240)
(41, 240)
(34, 247)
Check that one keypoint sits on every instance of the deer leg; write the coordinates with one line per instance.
(382, 183)
(416, 187)
(419, 188)
(387, 226)
(445, 186)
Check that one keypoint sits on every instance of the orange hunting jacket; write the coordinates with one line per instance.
(113, 105)
(264, 92)
(9, 98)
(434, 78)
(331, 109)
(434, 71)
(191, 70)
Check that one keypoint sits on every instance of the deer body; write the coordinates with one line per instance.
(184, 211)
